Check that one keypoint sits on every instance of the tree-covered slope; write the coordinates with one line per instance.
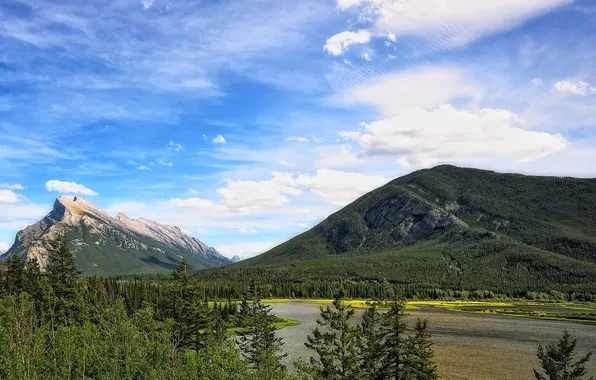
(453, 226)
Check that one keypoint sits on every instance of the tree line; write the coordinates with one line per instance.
(56, 325)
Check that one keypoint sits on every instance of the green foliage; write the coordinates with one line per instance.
(524, 234)
(54, 325)
(378, 348)
(336, 343)
(257, 341)
(558, 360)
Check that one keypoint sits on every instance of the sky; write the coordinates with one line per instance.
(247, 122)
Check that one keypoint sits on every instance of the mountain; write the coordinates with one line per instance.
(104, 245)
(235, 259)
(452, 226)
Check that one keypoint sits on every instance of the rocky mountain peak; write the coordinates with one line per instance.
(93, 231)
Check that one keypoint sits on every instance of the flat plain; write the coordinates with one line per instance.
(468, 346)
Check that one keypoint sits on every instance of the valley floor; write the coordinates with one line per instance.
(469, 346)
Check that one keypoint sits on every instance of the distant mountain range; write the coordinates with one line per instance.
(455, 227)
(104, 245)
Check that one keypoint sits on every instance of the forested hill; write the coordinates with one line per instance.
(454, 227)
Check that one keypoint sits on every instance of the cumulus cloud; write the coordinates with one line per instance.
(69, 188)
(421, 137)
(575, 88)
(445, 24)
(143, 168)
(339, 187)
(366, 57)
(426, 87)
(219, 140)
(250, 195)
(8, 196)
(339, 43)
(297, 139)
(175, 147)
(8, 186)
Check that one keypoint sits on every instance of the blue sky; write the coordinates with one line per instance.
(247, 122)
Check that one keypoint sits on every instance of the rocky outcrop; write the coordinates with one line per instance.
(94, 231)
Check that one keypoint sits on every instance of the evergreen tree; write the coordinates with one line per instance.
(419, 355)
(62, 274)
(394, 329)
(258, 342)
(336, 343)
(15, 274)
(372, 352)
(558, 360)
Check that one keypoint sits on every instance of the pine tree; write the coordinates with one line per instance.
(258, 341)
(557, 360)
(337, 344)
(394, 329)
(62, 274)
(372, 352)
(15, 274)
(419, 355)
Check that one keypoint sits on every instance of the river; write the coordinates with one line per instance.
(468, 346)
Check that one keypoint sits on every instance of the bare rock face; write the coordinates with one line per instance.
(93, 231)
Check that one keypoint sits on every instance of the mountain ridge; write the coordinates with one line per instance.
(455, 227)
(97, 238)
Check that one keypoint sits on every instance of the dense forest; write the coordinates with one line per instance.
(449, 231)
(57, 325)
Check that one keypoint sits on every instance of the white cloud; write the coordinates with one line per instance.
(245, 250)
(537, 82)
(205, 137)
(339, 43)
(143, 168)
(391, 37)
(366, 57)
(447, 134)
(219, 140)
(446, 24)
(287, 164)
(575, 88)
(344, 4)
(248, 231)
(4, 247)
(251, 195)
(8, 196)
(68, 188)
(15, 186)
(175, 147)
(315, 139)
(202, 231)
(339, 187)
(302, 225)
(192, 192)
(297, 139)
(192, 203)
(147, 4)
(338, 155)
(163, 163)
(427, 87)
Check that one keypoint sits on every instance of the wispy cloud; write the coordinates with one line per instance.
(175, 147)
(575, 88)
(143, 168)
